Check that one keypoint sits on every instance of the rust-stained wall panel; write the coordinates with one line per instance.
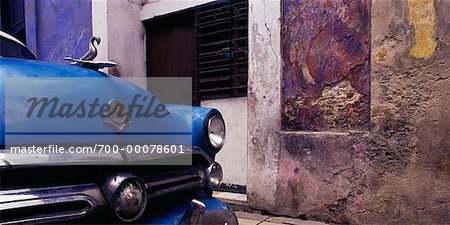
(326, 73)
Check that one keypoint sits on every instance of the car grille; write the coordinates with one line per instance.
(174, 183)
(57, 203)
(47, 204)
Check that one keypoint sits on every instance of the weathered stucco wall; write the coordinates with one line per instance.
(326, 93)
(377, 150)
(405, 166)
(119, 25)
(126, 38)
(56, 29)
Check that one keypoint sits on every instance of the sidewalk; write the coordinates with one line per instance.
(245, 218)
(239, 202)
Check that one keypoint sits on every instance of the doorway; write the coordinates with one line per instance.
(210, 44)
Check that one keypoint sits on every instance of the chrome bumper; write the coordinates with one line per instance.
(222, 217)
(87, 200)
(207, 211)
(198, 213)
(61, 203)
(39, 205)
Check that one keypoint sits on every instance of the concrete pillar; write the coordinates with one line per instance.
(264, 106)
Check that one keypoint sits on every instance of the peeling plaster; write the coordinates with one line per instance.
(422, 16)
(335, 100)
(325, 42)
(397, 171)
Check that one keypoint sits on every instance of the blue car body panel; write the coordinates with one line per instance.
(197, 122)
(183, 123)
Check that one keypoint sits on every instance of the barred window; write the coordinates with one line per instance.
(208, 43)
(222, 50)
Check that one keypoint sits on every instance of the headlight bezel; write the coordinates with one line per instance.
(209, 129)
(214, 175)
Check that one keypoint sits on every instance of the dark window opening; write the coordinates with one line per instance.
(208, 43)
(12, 18)
(171, 46)
(222, 49)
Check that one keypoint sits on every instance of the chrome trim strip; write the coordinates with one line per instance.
(104, 159)
(40, 197)
(15, 40)
(45, 192)
(49, 201)
(11, 38)
(170, 180)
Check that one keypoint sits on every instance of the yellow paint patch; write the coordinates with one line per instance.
(380, 56)
(422, 16)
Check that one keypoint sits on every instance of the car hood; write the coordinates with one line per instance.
(74, 84)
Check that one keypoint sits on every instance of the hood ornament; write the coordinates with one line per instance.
(87, 60)
(92, 53)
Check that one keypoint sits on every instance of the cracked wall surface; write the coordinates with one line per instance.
(405, 167)
(263, 102)
(363, 131)
(57, 29)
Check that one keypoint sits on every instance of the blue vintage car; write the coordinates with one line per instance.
(153, 169)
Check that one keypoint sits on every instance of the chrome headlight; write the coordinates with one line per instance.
(216, 132)
(214, 174)
(127, 196)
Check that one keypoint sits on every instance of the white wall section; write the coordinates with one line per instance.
(154, 8)
(126, 37)
(233, 156)
(100, 26)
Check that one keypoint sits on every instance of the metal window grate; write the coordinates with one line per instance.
(222, 50)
